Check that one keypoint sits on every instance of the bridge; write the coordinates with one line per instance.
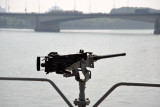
(51, 22)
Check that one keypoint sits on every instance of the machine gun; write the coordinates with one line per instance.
(72, 64)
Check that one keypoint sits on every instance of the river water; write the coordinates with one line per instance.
(19, 49)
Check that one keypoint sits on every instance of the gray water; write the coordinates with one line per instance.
(19, 49)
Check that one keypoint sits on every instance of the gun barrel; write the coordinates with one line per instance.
(108, 56)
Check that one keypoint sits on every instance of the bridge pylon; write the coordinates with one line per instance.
(46, 27)
(157, 26)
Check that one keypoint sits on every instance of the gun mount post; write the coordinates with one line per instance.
(82, 102)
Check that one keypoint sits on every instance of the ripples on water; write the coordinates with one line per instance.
(19, 49)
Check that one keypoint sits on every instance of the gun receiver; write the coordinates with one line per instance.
(59, 63)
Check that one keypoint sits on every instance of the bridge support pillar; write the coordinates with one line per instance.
(157, 26)
(48, 28)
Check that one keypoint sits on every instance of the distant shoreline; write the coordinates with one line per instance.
(5, 28)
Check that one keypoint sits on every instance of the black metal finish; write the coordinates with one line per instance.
(38, 63)
(59, 63)
(108, 56)
(123, 84)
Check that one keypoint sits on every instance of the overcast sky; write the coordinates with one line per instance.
(81, 5)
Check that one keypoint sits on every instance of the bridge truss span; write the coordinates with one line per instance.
(51, 22)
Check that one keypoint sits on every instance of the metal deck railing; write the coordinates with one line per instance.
(41, 80)
(67, 101)
(123, 84)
